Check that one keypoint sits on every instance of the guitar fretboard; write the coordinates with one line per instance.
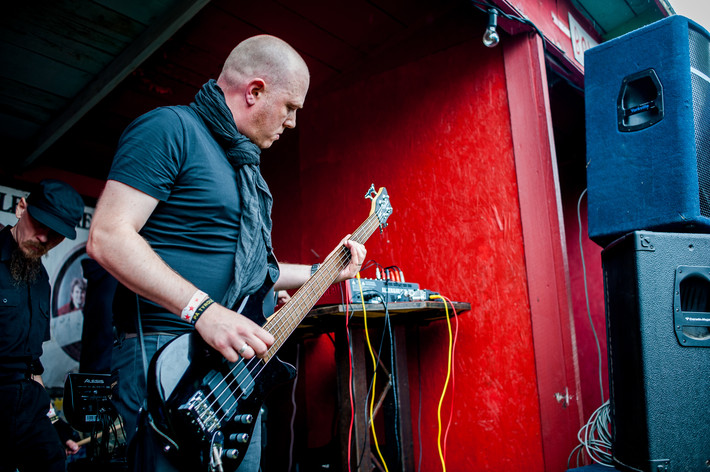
(284, 321)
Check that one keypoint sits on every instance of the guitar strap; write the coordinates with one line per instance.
(139, 327)
(243, 304)
(144, 458)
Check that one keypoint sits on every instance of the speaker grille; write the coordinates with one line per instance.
(700, 83)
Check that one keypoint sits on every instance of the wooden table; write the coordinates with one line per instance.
(402, 315)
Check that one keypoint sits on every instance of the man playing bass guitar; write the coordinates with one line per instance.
(184, 223)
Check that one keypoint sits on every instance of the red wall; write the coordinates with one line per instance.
(436, 133)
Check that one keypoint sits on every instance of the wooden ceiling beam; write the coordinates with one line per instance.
(125, 63)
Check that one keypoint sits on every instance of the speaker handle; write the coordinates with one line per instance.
(691, 306)
(640, 101)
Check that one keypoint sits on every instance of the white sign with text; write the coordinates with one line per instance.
(581, 40)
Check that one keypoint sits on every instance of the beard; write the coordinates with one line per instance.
(24, 268)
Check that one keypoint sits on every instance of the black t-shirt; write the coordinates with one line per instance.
(170, 154)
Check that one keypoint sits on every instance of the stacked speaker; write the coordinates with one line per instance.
(647, 99)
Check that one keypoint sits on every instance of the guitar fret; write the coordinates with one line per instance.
(290, 315)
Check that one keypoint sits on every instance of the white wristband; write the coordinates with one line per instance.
(195, 301)
(52, 413)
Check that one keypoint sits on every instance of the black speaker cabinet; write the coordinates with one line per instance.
(647, 113)
(657, 295)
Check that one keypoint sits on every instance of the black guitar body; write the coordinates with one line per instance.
(203, 405)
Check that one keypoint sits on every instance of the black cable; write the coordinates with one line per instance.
(419, 415)
(484, 7)
(387, 331)
(378, 357)
(395, 387)
(393, 369)
(371, 262)
(553, 63)
(393, 267)
(369, 392)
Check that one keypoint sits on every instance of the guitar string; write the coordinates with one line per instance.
(360, 235)
(296, 301)
(254, 365)
(330, 273)
(330, 269)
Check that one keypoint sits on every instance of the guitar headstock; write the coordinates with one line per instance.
(381, 206)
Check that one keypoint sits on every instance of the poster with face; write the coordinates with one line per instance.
(63, 264)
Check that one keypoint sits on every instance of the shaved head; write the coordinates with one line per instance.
(265, 82)
(264, 56)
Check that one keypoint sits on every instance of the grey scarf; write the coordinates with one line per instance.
(251, 260)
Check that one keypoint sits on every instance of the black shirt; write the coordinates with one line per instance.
(24, 313)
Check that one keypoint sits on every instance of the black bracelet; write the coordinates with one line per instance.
(314, 268)
(201, 309)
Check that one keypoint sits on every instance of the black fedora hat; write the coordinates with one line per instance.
(56, 205)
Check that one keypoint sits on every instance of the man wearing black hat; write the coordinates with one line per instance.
(27, 439)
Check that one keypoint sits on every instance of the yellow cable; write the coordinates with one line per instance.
(446, 384)
(374, 373)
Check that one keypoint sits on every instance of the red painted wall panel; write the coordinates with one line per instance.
(436, 133)
(546, 264)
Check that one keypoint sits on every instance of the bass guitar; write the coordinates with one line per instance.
(204, 408)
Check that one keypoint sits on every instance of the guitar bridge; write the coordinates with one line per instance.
(200, 413)
(207, 412)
